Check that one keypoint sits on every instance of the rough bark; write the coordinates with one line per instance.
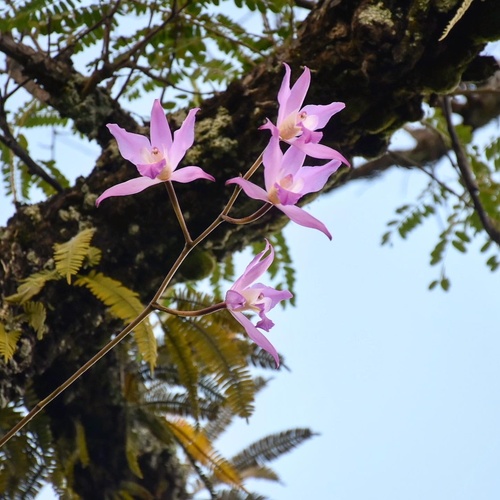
(382, 58)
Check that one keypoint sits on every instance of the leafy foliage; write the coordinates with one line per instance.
(451, 205)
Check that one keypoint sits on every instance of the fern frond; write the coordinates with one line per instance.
(94, 256)
(132, 452)
(36, 316)
(217, 351)
(238, 495)
(179, 349)
(8, 342)
(81, 445)
(270, 448)
(124, 304)
(260, 472)
(196, 445)
(31, 286)
(69, 256)
(458, 15)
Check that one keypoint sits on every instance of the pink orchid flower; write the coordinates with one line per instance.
(286, 181)
(298, 125)
(243, 296)
(156, 160)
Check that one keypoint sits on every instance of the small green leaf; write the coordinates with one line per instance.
(445, 284)
(459, 246)
(433, 284)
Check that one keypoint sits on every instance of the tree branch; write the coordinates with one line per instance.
(468, 176)
(10, 141)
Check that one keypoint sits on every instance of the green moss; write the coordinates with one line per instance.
(376, 14)
(446, 5)
(211, 135)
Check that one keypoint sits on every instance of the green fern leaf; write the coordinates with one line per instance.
(8, 342)
(31, 286)
(36, 316)
(69, 256)
(124, 304)
(270, 448)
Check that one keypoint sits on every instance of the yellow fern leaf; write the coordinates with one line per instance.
(31, 286)
(36, 315)
(124, 304)
(69, 256)
(197, 445)
(132, 452)
(8, 342)
(81, 445)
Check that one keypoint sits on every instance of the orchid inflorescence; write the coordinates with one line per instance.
(286, 181)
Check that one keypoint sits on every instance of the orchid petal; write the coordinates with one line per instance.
(298, 93)
(161, 137)
(284, 94)
(151, 170)
(303, 218)
(314, 178)
(251, 189)
(132, 186)
(275, 131)
(272, 296)
(293, 159)
(288, 197)
(257, 267)
(234, 300)
(183, 139)
(272, 159)
(323, 112)
(258, 337)
(188, 174)
(318, 150)
(130, 145)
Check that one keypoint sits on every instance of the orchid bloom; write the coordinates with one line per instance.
(286, 181)
(298, 125)
(243, 296)
(155, 159)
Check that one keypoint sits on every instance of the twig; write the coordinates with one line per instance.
(10, 141)
(468, 176)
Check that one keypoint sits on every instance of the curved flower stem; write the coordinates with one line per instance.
(178, 212)
(91, 362)
(190, 314)
(250, 218)
(237, 189)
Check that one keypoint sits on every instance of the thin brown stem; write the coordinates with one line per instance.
(250, 218)
(178, 212)
(89, 364)
(191, 314)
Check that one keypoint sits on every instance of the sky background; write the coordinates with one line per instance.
(400, 382)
